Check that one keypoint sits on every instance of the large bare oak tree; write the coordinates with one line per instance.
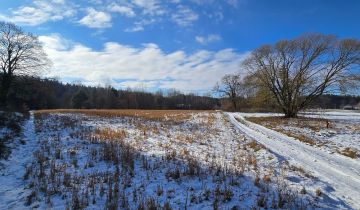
(21, 54)
(297, 71)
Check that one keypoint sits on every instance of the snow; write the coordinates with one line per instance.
(334, 115)
(342, 174)
(216, 143)
(12, 192)
(343, 132)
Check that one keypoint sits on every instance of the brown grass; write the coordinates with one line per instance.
(302, 122)
(267, 178)
(110, 134)
(254, 145)
(314, 124)
(300, 137)
(301, 171)
(350, 152)
(274, 122)
(176, 115)
(318, 192)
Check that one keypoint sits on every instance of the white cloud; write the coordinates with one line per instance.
(96, 1)
(209, 39)
(96, 19)
(55, 41)
(139, 25)
(124, 10)
(151, 7)
(98, 14)
(147, 65)
(40, 11)
(234, 3)
(134, 28)
(202, 2)
(184, 16)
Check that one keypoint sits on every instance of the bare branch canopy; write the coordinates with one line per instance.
(297, 71)
(21, 54)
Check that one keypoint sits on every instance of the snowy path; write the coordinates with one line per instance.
(12, 192)
(341, 173)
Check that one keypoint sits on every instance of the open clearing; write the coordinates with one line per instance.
(340, 172)
(131, 159)
(334, 132)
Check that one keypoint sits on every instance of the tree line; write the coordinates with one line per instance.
(35, 93)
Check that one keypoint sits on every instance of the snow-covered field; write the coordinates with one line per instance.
(333, 131)
(10, 133)
(170, 160)
(334, 135)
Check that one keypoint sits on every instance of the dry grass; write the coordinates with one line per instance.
(255, 145)
(350, 152)
(310, 123)
(52, 172)
(301, 122)
(301, 171)
(109, 134)
(13, 123)
(315, 125)
(176, 115)
(300, 137)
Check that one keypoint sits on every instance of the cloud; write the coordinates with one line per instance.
(150, 7)
(96, 1)
(233, 3)
(209, 39)
(139, 25)
(121, 65)
(184, 16)
(96, 19)
(124, 10)
(55, 41)
(99, 12)
(135, 28)
(202, 2)
(39, 12)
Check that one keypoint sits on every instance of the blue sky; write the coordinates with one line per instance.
(152, 44)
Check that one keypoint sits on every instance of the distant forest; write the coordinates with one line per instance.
(336, 101)
(33, 93)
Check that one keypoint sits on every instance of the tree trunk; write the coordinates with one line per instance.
(289, 113)
(5, 86)
(234, 104)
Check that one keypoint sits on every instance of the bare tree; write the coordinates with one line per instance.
(20, 54)
(230, 87)
(298, 71)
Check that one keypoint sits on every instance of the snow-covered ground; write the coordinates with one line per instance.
(340, 173)
(343, 133)
(199, 160)
(10, 132)
(331, 131)
(12, 191)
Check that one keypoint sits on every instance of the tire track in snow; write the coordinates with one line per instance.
(339, 172)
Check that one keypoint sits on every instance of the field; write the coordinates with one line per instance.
(143, 159)
(337, 132)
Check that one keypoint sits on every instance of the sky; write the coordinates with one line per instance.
(163, 44)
